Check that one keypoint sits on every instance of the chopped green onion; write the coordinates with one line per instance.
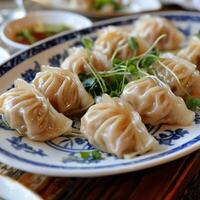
(28, 35)
(99, 4)
(96, 155)
(133, 44)
(85, 155)
(148, 60)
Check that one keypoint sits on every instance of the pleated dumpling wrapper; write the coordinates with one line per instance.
(113, 42)
(63, 89)
(192, 51)
(156, 103)
(80, 58)
(180, 74)
(151, 27)
(30, 113)
(114, 127)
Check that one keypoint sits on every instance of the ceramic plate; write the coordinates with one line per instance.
(11, 189)
(135, 7)
(61, 156)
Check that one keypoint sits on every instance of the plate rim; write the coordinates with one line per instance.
(100, 172)
(107, 171)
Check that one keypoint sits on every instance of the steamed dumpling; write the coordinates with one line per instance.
(150, 28)
(30, 113)
(192, 51)
(183, 70)
(156, 104)
(114, 127)
(79, 58)
(63, 89)
(114, 40)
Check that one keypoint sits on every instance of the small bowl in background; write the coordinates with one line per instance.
(11, 189)
(9, 29)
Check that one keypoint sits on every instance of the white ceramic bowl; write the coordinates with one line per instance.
(11, 189)
(4, 55)
(9, 29)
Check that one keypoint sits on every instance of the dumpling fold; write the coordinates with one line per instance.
(180, 74)
(80, 58)
(63, 89)
(30, 113)
(113, 41)
(156, 103)
(114, 127)
(151, 27)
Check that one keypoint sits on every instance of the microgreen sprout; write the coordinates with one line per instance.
(87, 43)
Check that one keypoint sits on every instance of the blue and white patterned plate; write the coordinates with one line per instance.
(61, 156)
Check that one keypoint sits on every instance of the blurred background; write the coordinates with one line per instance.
(95, 10)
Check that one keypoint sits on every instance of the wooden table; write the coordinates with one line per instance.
(168, 182)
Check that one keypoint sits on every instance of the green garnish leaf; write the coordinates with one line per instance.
(90, 84)
(193, 103)
(133, 44)
(50, 28)
(85, 155)
(96, 155)
(116, 61)
(99, 4)
(87, 43)
(87, 80)
(134, 71)
(28, 35)
(149, 60)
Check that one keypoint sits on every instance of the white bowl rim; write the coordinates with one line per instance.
(31, 14)
(20, 186)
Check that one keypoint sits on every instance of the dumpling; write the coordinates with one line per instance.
(186, 73)
(63, 89)
(156, 104)
(114, 41)
(192, 51)
(79, 58)
(114, 127)
(30, 113)
(150, 28)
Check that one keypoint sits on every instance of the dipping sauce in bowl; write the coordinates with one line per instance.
(21, 33)
(39, 32)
